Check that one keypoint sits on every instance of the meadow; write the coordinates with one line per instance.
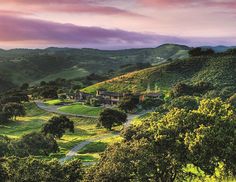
(85, 129)
(81, 109)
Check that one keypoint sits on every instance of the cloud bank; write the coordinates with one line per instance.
(115, 24)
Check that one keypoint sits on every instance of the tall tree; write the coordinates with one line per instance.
(13, 109)
(110, 117)
(57, 126)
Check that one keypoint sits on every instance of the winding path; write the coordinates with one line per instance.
(54, 109)
(74, 150)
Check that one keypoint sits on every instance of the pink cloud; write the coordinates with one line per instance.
(208, 3)
(69, 6)
(23, 30)
(50, 33)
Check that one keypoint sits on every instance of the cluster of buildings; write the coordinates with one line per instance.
(113, 98)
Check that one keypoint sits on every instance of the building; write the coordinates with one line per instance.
(110, 98)
(82, 96)
(150, 95)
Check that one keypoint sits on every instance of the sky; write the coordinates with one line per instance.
(116, 24)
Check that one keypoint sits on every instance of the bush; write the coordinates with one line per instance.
(184, 102)
(151, 103)
(200, 52)
(128, 104)
(232, 100)
(34, 144)
(3, 117)
(34, 170)
(181, 89)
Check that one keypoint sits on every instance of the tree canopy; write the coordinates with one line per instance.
(110, 117)
(163, 147)
(57, 126)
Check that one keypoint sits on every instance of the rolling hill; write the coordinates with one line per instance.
(18, 66)
(4, 85)
(218, 70)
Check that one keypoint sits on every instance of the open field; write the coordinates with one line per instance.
(24, 125)
(79, 108)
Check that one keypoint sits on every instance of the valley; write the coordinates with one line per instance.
(120, 119)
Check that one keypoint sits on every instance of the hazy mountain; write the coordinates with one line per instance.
(18, 66)
(219, 48)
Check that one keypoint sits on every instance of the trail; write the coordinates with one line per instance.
(78, 147)
(54, 109)
(74, 150)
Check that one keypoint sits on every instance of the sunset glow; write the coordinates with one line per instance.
(115, 24)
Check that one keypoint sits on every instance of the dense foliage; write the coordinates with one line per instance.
(30, 144)
(164, 147)
(216, 70)
(34, 170)
(129, 103)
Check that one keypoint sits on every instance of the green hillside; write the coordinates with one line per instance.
(4, 85)
(34, 65)
(218, 70)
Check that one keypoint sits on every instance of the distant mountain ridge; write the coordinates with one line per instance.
(18, 66)
(220, 48)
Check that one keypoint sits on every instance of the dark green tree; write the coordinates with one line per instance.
(72, 171)
(49, 93)
(35, 170)
(34, 144)
(24, 86)
(184, 102)
(57, 126)
(13, 109)
(110, 117)
(128, 104)
(200, 52)
(4, 117)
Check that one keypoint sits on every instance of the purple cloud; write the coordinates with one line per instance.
(31, 30)
(231, 4)
(70, 6)
(22, 29)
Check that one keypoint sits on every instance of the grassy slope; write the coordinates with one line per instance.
(81, 109)
(4, 84)
(24, 125)
(218, 70)
(84, 129)
(68, 74)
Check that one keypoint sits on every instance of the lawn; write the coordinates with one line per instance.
(85, 129)
(33, 121)
(81, 109)
(53, 102)
(56, 102)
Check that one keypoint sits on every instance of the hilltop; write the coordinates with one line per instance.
(219, 70)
